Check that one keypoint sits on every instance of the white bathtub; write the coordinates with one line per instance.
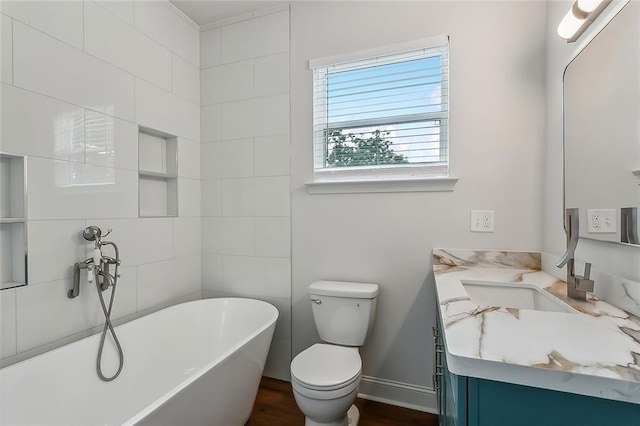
(195, 363)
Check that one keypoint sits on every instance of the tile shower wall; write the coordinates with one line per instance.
(244, 82)
(77, 80)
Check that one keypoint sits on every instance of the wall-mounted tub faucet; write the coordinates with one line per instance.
(97, 267)
(577, 286)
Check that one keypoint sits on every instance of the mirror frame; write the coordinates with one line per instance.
(613, 9)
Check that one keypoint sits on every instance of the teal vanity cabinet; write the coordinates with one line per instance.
(469, 401)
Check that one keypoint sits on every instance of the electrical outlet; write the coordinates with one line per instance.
(482, 220)
(601, 221)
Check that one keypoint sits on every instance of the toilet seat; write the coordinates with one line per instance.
(323, 368)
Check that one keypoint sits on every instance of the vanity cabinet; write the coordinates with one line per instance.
(469, 401)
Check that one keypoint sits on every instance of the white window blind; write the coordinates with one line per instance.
(382, 117)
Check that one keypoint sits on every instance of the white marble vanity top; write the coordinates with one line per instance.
(595, 351)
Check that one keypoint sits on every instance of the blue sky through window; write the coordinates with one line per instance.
(393, 98)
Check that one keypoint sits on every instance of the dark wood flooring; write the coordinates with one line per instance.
(275, 406)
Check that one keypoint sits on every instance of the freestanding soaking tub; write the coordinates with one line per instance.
(197, 363)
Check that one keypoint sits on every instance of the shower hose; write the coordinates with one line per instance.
(108, 326)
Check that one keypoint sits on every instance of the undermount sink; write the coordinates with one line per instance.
(514, 295)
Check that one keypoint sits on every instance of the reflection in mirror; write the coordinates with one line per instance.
(602, 131)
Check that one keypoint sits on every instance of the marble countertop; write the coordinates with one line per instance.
(595, 351)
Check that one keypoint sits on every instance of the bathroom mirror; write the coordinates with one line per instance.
(602, 131)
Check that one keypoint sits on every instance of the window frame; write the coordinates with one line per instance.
(434, 171)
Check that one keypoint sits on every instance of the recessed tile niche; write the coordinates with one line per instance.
(157, 173)
(13, 230)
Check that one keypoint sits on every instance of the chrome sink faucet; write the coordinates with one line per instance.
(577, 286)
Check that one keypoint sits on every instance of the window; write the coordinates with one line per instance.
(382, 116)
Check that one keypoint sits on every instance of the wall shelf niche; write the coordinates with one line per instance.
(13, 226)
(157, 174)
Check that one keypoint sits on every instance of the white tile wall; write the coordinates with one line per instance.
(61, 19)
(271, 34)
(54, 246)
(139, 241)
(237, 119)
(271, 115)
(162, 110)
(8, 345)
(34, 124)
(157, 19)
(186, 236)
(255, 117)
(210, 48)
(278, 360)
(71, 75)
(228, 235)
(66, 190)
(271, 156)
(237, 197)
(6, 49)
(228, 159)
(230, 82)
(162, 282)
(283, 325)
(186, 78)
(211, 273)
(69, 103)
(188, 158)
(253, 38)
(272, 75)
(273, 236)
(211, 197)
(210, 123)
(237, 42)
(189, 204)
(245, 168)
(259, 276)
(113, 40)
(121, 8)
(267, 196)
(46, 314)
(110, 141)
(271, 196)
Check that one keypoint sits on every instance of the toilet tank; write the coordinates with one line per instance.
(343, 311)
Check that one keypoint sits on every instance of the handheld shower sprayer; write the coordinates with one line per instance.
(98, 267)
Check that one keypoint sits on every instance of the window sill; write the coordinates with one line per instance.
(379, 186)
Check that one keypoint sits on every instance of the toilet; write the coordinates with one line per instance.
(325, 377)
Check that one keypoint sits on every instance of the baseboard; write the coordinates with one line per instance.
(401, 394)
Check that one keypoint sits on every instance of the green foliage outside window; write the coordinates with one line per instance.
(352, 149)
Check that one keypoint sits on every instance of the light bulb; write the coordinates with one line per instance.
(569, 25)
(588, 6)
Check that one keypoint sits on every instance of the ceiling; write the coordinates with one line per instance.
(207, 11)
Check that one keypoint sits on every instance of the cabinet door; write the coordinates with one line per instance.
(494, 404)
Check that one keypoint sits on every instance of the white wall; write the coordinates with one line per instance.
(497, 98)
(612, 263)
(76, 76)
(245, 167)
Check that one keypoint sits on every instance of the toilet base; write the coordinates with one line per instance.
(350, 419)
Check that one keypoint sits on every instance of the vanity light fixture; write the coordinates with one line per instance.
(579, 17)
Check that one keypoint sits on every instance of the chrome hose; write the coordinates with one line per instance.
(108, 326)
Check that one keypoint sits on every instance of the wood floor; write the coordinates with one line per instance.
(275, 406)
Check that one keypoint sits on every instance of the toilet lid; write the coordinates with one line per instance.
(326, 366)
